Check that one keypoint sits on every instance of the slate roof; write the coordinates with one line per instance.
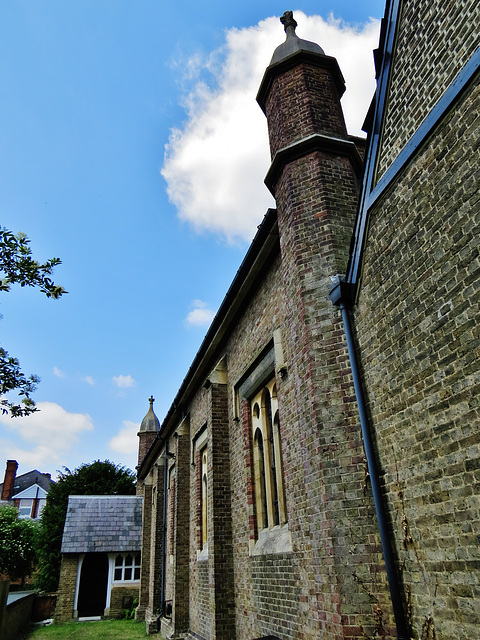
(28, 479)
(102, 524)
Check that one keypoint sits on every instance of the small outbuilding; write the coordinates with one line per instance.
(100, 572)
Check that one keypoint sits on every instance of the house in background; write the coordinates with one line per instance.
(101, 544)
(28, 492)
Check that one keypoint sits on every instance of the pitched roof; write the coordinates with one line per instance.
(28, 479)
(102, 523)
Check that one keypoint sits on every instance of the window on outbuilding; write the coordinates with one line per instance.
(127, 567)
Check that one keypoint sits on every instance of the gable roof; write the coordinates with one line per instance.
(33, 491)
(28, 479)
(102, 523)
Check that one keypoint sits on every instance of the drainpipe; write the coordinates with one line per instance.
(341, 296)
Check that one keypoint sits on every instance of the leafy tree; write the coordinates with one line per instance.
(17, 266)
(97, 478)
(17, 543)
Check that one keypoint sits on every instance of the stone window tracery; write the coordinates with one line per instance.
(267, 459)
(204, 497)
(127, 567)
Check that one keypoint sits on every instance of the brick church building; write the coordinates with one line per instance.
(317, 474)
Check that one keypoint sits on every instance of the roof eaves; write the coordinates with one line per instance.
(264, 246)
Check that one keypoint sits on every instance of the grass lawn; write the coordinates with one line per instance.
(101, 630)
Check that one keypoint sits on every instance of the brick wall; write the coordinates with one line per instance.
(117, 596)
(154, 546)
(146, 492)
(66, 589)
(319, 587)
(435, 41)
(303, 101)
(417, 326)
(220, 548)
(182, 529)
(17, 618)
(145, 440)
(200, 614)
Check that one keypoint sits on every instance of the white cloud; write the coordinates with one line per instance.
(58, 372)
(126, 440)
(201, 315)
(124, 382)
(215, 165)
(89, 380)
(47, 435)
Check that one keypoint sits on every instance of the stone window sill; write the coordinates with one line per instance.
(202, 555)
(274, 540)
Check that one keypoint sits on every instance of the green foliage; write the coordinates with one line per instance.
(129, 614)
(11, 378)
(97, 478)
(104, 629)
(18, 267)
(17, 543)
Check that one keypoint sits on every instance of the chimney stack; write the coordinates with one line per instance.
(9, 480)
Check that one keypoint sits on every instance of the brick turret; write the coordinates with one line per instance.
(148, 431)
(314, 177)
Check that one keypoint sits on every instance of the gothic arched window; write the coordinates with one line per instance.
(267, 459)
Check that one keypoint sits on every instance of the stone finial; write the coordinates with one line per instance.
(288, 20)
(293, 44)
(150, 421)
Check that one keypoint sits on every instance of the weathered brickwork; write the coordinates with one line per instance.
(182, 530)
(143, 599)
(118, 597)
(435, 40)
(68, 580)
(321, 573)
(420, 293)
(303, 101)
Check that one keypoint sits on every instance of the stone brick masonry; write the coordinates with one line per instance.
(421, 292)
(66, 595)
(321, 574)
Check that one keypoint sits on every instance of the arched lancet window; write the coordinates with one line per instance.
(204, 498)
(267, 459)
(260, 481)
(272, 459)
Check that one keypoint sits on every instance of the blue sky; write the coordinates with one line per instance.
(132, 148)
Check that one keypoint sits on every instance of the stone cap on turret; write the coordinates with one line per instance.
(150, 423)
(293, 43)
(291, 53)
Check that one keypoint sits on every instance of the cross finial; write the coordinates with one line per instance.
(151, 400)
(288, 20)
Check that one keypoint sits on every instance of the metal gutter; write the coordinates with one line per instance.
(370, 194)
(389, 24)
(264, 248)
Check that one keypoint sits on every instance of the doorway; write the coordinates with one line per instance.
(92, 592)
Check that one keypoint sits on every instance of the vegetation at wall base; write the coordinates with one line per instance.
(100, 630)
